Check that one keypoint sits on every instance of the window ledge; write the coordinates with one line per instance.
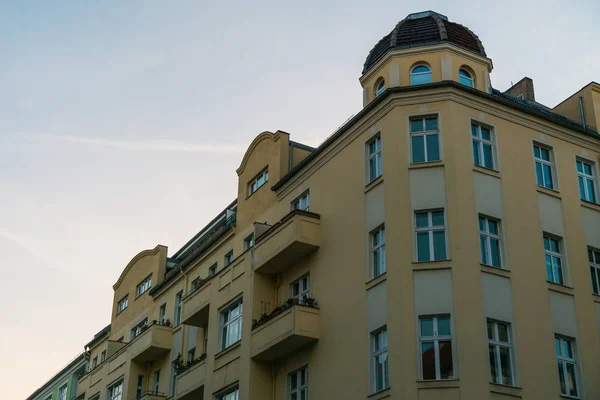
(549, 192)
(373, 183)
(495, 270)
(418, 265)
(438, 384)
(513, 391)
(564, 396)
(229, 349)
(376, 281)
(382, 394)
(555, 287)
(486, 171)
(427, 164)
(591, 206)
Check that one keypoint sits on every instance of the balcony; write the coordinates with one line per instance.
(189, 381)
(153, 341)
(196, 305)
(297, 235)
(287, 329)
(153, 396)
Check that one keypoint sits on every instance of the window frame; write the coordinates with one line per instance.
(481, 142)
(305, 195)
(300, 388)
(303, 292)
(125, 301)
(430, 228)
(162, 310)
(64, 386)
(425, 133)
(551, 163)
(469, 78)
(377, 255)
(256, 183)
(582, 175)
(227, 258)
(103, 356)
(143, 286)
(133, 334)
(594, 260)
(375, 353)
(249, 242)
(379, 86)
(139, 388)
(498, 344)
(436, 346)
(178, 308)
(488, 237)
(419, 74)
(111, 395)
(225, 393)
(224, 326)
(565, 361)
(376, 170)
(156, 380)
(560, 255)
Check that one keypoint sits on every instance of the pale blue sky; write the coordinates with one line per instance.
(121, 126)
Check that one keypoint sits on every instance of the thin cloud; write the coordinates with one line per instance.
(145, 145)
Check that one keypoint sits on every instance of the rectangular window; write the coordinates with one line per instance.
(191, 355)
(431, 235)
(122, 304)
(594, 258)
(567, 373)
(230, 394)
(162, 313)
(231, 324)
(140, 387)
(103, 356)
(490, 242)
(378, 252)
(302, 202)
(249, 242)
(62, 392)
(156, 381)
(144, 285)
(298, 384)
(424, 138)
(436, 347)
(379, 353)
(587, 180)
(173, 377)
(300, 288)
(94, 362)
(543, 166)
(115, 392)
(212, 270)
(257, 182)
(554, 260)
(228, 258)
(138, 328)
(178, 299)
(374, 159)
(500, 353)
(484, 146)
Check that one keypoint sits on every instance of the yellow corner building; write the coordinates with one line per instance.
(444, 243)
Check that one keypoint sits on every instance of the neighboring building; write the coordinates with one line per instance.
(444, 243)
(63, 385)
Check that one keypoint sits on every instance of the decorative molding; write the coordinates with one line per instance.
(263, 136)
(135, 259)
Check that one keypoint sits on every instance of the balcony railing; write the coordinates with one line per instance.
(196, 304)
(151, 395)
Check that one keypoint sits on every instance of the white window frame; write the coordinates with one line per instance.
(191, 354)
(225, 326)
(122, 304)
(156, 377)
(468, 78)
(430, 229)
(488, 237)
(118, 395)
(303, 283)
(418, 74)
(378, 262)
(380, 335)
(230, 394)
(300, 388)
(424, 133)
(379, 87)
(554, 256)
(548, 163)
(139, 388)
(480, 141)
(301, 202)
(497, 344)
(591, 197)
(565, 361)
(594, 259)
(95, 361)
(63, 396)
(103, 356)
(136, 330)
(249, 242)
(162, 313)
(376, 170)
(436, 339)
(178, 308)
(143, 286)
(258, 182)
(227, 258)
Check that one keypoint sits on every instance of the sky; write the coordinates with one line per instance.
(122, 124)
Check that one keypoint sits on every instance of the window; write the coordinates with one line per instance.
(380, 87)
(302, 202)
(257, 182)
(230, 394)
(420, 74)
(227, 260)
(379, 353)
(94, 362)
(500, 351)
(374, 160)
(436, 348)
(173, 377)
(231, 324)
(552, 253)
(567, 374)
(49, 397)
(191, 355)
(489, 241)
(543, 166)
(249, 242)
(115, 392)
(594, 257)
(62, 392)
(121, 339)
(466, 78)
(145, 285)
(122, 304)
(139, 328)
(300, 288)
(178, 299)
(587, 181)
(424, 138)
(162, 313)
(298, 384)
(484, 152)
(140, 387)
(156, 381)
(103, 356)
(378, 252)
(431, 235)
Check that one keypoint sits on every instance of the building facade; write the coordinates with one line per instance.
(63, 385)
(444, 243)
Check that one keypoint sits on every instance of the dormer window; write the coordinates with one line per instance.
(380, 87)
(466, 78)
(420, 74)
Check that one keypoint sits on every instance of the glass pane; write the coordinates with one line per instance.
(485, 133)
(293, 380)
(418, 149)
(422, 221)
(378, 374)
(493, 363)
(536, 151)
(420, 69)
(554, 246)
(431, 124)
(466, 81)
(503, 335)
(443, 325)
(439, 245)
(372, 169)
(474, 130)
(294, 396)
(505, 366)
(303, 395)
(420, 79)
(558, 274)
(433, 148)
(437, 218)
(495, 252)
(546, 243)
(579, 166)
(591, 191)
(446, 367)
(587, 168)
(561, 376)
(493, 226)
(581, 188)
(483, 249)
(549, 274)
(428, 360)
(594, 279)
(545, 155)
(590, 256)
(416, 125)
(423, 246)
(490, 330)
(482, 224)
(568, 349)
(548, 176)
(476, 158)
(426, 327)
(557, 346)
(488, 162)
(379, 160)
(572, 379)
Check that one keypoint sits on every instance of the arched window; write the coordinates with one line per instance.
(466, 78)
(379, 87)
(420, 74)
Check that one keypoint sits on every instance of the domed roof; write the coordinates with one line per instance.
(423, 29)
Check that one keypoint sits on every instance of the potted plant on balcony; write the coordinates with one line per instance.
(310, 301)
(167, 323)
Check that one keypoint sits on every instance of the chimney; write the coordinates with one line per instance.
(522, 89)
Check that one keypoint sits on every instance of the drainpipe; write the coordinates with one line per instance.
(581, 111)
(183, 331)
(291, 155)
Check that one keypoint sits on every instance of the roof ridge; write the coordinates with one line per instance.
(441, 26)
(394, 41)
